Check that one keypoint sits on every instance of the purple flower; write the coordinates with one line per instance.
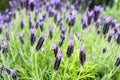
(72, 18)
(14, 74)
(21, 38)
(58, 60)
(114, 22)
(104, 49)
(32, 4)
(97, 10)
(8, 69)
(98, 31)
(89, 17)
(5, 49)
(31, 24)
(98, 22)
(0, 28)
(32, 36)
(84, 23)
(50, 31)
(106, 25)
(117, 63)
(0, 70)
(82, 55)
(118, 37)
(22, 23)
(110, 36)
(40, 42)
(70, 47)
(62, 39)
(37, 23)
(41, 26)
(55, 48)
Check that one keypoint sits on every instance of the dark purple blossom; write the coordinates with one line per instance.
(32, 4)
(118, 37)
(58, 60)
(110, 36)
(90, 15)
(5, 49)
(97, 10)
(8, 69)
(62, 39)
(31, 24)
(84, 23)
(72, 18)
(0, 28)
(107, 25)
(82, 55)
(37, 24)
(117, 63)
(22, 23)
(104, 49)
(40, 42)
(50, 31)
(0, 70)
(70, 47)
(41, 26)
(14, 74)
(32, 36)
(114, 22)
(97, 24)
(98, 31)
(55, 49)
(22, 38)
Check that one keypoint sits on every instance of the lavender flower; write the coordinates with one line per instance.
(72, 18)
(82, 55)
(55, 48)
(97, 10)
(8, 69)
(32, 4)
(84, 23)
(5, 49)
(58, 60)
(97, 24)
(37, 23)
(98, 31)
(62, 39)
(104, 49)
(41, 26)
(50, 31)
(32, 36)
(21, 38)
(22, 23)
(106, 25)
(110, 36)
(40, 42)
(117, 63)
(89, 17)
(14, 74)
(31, 24)
(114, 22)
(6, 33)
(0, 28)
(70, 47)
(118, 38)
(0, 70)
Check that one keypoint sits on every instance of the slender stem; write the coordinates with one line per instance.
(80, 72)
(65, 68)
(53, 76)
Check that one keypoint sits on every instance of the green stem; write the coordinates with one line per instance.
(65, 68)
(53, 76)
